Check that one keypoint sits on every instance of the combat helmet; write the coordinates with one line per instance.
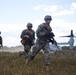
(47, 17)
(29, 24)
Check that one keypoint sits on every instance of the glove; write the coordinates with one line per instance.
(51, 35)
(52, 41)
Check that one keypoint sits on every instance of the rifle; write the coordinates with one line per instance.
(50, 36)
(55, 42)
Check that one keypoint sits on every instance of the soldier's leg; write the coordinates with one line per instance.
(36, 48)
(21, 53)
(26, 51)
(46, 50)
(0, 46)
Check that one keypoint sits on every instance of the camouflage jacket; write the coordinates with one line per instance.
(0, 40)
(42, 30)
(30, 33)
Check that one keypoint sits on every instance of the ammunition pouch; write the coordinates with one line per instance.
(23, 42)
(27, 41)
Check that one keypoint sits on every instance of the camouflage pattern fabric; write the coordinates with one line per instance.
(42, 43)
(30, 33)
(1, 42)
(27, 50)
(29, 42)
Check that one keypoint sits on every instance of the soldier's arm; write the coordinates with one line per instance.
(34, 35)
(24, 34)
(40, 31)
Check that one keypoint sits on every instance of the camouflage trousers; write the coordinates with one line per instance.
(26, 50)
(37, 47)
(1, 45)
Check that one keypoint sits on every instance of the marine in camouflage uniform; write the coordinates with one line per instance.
(42, 41)
(28, 35)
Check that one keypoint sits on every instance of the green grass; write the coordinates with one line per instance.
(62, 63)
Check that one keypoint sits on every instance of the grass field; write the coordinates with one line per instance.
(62, 63)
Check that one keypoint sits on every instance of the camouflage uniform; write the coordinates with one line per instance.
(1, 41)
(30, 41)
(42, 42)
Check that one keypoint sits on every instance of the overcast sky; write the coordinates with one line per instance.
(15, 14)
